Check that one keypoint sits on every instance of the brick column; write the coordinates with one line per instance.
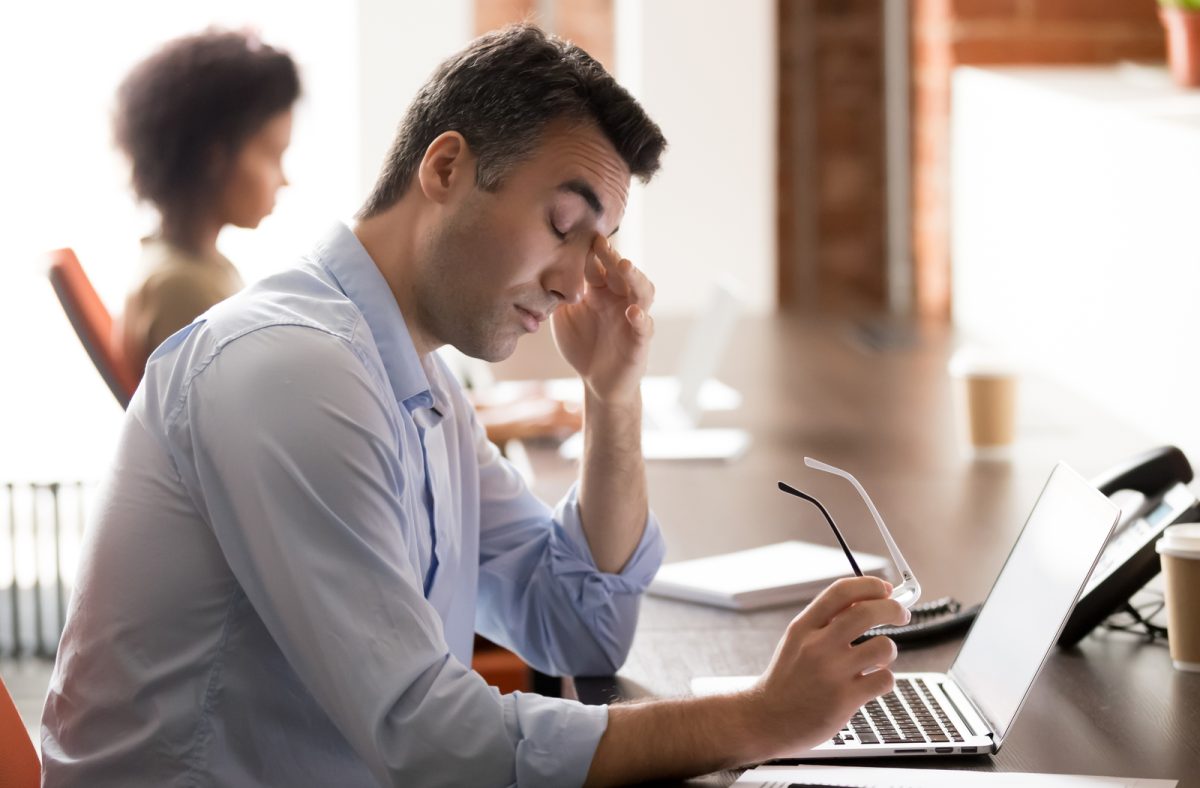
(832, 212)
(949, 33)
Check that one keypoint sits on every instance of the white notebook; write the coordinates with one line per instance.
(775, 574)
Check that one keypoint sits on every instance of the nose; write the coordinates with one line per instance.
(565, 279)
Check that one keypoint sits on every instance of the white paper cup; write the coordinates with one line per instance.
(1179, 551)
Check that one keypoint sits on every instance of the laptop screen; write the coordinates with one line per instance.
(1033, 596)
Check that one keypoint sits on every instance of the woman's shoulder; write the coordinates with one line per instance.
(171, 272)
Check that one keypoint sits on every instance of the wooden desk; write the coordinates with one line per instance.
(1112, 706)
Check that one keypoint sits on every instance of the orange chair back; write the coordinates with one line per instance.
(92, 323)
(19, 767)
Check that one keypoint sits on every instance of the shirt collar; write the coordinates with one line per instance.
(353, 270)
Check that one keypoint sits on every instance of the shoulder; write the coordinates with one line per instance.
(281, 359)
(291, 331)
(298, 297)
(282, 376)
(165, 266)
(186, 289)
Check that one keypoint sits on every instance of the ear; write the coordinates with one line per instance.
(448, 166)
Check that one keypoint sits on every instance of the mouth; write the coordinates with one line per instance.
(531, 320)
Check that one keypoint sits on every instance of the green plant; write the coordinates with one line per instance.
(1184, 5)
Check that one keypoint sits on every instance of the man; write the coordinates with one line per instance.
(305, 525)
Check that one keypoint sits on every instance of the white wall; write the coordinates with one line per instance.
(63, 184)
(706, 71)
(399, 45)
(1075, 196)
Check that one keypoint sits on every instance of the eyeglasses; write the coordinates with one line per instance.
(909, 590)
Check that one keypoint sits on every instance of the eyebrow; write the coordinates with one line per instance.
(584, 190)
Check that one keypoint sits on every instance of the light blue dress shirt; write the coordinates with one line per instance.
(302, 531)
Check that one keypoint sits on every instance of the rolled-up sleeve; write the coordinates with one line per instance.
(291, 450)
(541, 593)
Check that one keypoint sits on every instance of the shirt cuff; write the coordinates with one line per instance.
(571, 555)
(557, 738)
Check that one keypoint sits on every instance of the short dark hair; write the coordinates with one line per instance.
(501, 93)
(196, 95)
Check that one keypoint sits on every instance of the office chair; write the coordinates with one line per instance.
(19, 765)
(501, 668)
(92, 323)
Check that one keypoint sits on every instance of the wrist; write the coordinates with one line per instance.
(613, 415)
(756, 735)
(620, 399)
(740, 730)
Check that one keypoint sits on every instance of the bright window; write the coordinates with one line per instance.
(62, 183)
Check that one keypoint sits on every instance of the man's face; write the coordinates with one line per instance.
(500, 262)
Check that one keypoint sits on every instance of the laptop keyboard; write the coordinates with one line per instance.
(908, 715)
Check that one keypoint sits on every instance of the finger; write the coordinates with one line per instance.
(618, 276)
(594, 272)
(605, 251)
(876, 683)
(851, 623)
(639, 285)
(611, 261)
(839, 595)
(640, 320)
(878, 652)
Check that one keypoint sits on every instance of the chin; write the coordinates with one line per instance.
(490, 352)
(493, 355)
(250, 222)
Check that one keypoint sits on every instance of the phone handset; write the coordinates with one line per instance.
(1149, 473)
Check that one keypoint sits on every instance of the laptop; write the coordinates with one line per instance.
(971, 708)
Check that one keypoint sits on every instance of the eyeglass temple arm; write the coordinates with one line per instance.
(787, 488)
(901, 564)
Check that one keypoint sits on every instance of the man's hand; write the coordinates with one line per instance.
(814, 683)
(817, 680)
(606, 336)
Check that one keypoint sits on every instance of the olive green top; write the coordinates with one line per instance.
(176, 287)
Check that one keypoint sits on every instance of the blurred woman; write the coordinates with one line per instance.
(205, 122)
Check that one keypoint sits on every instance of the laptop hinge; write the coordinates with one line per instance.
(953, 691)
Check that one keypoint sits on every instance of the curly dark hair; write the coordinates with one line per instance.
(501, 93)
(196, 96)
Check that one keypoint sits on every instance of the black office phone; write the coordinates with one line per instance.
(1152, 491)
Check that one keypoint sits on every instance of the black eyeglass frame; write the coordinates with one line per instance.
(909, 590)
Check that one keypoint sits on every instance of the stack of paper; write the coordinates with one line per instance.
(776, 574)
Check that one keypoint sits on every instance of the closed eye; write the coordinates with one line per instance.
(559, 234)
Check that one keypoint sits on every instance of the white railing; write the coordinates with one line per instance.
(41, 532)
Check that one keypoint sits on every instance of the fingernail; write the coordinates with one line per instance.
(907, 615)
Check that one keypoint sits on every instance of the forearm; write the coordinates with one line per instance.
(676, 739)
(612, 490)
